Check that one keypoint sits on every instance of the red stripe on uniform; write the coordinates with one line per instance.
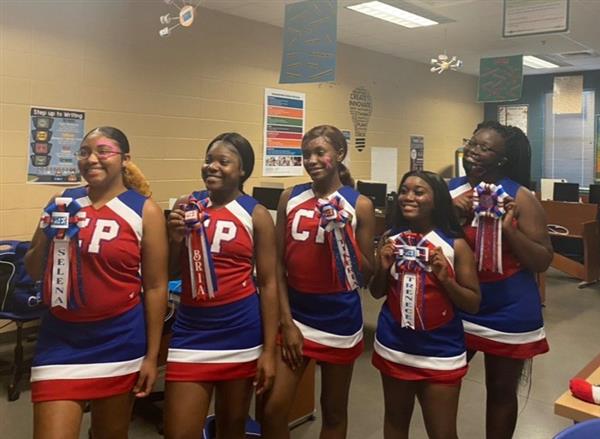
(209, 371)
(83, 389)
(518, 351)
(408, 373)
(327, 354)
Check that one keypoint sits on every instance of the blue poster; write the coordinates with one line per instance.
(53, 143)
(309, 42)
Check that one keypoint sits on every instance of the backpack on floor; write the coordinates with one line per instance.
(210, 428)
(18, 292)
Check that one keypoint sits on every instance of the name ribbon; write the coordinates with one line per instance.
(202, 270)
(333, 219)
(61, 222)
(489, 201)
(412, 264)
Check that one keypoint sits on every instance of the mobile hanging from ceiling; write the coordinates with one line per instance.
(183, 16)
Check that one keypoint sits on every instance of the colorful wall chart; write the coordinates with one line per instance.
(285, 113)
(53, 144)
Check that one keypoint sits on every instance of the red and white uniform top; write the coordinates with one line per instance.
(110, 256)
(231, 237)
(309, 260)
(432, 306)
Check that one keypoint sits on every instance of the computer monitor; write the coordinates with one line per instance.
(594, 196)
(375, 191)
(566, 192)
(267, 196)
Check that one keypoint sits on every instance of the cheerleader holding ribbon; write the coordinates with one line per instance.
(426, 270)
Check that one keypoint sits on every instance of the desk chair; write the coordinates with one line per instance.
(583, 430)
(18, 303)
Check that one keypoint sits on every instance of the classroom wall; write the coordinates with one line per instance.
(171, 96)
(535, 88)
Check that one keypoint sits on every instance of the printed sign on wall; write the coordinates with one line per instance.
(53, 144)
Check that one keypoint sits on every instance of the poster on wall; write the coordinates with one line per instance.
(309, 42)
(567, 95)
(534, 17)
(285, 113)
(597, 176)
(500, 79)
(417, 153)
(515, 115)
(55, 135)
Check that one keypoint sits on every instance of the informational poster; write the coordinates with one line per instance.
(309, 42)
(417, 153)
(515, 115)
(53, 143)
(597, 176)
(533, 17)
(500, 79)
(360, 105)
(285, 114)
(567, 95)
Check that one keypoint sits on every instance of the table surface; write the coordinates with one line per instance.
(570, 407)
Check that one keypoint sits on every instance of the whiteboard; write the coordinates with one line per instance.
(384, 167)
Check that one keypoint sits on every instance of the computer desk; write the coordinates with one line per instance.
(576, 221)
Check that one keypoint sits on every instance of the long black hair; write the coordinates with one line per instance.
(444, 216)
(517, 148)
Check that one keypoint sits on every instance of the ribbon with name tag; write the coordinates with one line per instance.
(333, 218)
(489, 202)
(412, 264)
(202, 270)
(61, 222)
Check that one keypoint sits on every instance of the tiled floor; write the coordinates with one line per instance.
(572, 324)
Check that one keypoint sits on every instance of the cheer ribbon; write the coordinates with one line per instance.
(412, 264)
(489, 202)
(334, 218)
(61, 222)
(202, 270)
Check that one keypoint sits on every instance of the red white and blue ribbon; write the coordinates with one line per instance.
(412, 264)
(489, 201)
(61, 222)
(334, 219)
(203, 277)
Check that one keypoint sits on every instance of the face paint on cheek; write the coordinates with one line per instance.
(328, 164)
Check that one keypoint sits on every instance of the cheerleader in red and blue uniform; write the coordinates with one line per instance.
(100, 340)
(224, 334)
(325, 245)
(509, 326)
(426, 271)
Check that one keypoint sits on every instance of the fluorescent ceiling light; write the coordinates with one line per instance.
(537, 63)
(392, 14)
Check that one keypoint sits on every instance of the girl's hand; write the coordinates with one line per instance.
(291, 345)
(464, 204)
(176, 225)
(512, 213)
(386, 255)
(439, 264)
(265, 372)
(146, 379)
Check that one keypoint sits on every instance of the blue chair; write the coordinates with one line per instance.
(18, 302)
(583, 430)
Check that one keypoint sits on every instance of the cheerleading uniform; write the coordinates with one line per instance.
(94, 347)
(509, 322)
(328, 315)
(220, 338)
(426, 344)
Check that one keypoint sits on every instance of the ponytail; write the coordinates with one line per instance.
(345, 176)
(134, 179)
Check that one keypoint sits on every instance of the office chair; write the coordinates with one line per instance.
(583, 430)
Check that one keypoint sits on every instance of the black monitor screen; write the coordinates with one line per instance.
(594, 196)
(267, 196)
(566, 192)
(375, 191)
